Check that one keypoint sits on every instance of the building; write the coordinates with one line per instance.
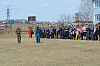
(77, 23)
(96, 11)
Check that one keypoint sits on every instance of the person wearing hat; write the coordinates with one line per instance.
(37, 31)
(18, 32)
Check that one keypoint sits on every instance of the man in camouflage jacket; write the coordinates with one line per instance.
(18, 32)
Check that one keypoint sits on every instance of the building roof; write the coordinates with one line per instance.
(83, 22)
(95, 0)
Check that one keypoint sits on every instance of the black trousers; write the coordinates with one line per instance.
(66, 35)
(52, 35)
(60, 35)
(57, 34)
(87, 36)
(82, 35)
(31, 35)
(43, 35)
(48, 35)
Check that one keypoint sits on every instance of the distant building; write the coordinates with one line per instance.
(78, 22)
(82, 23)
(1, 21)
(19, 20)
(96, 11)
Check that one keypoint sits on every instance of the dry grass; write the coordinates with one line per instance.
(50, 52)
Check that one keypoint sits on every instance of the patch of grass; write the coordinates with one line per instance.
(51, 52)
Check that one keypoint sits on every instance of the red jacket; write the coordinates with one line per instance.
(30, 31)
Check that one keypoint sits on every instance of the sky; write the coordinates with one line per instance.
(44, 10)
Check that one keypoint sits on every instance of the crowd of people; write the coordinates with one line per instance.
(64, 32)
(72, 32)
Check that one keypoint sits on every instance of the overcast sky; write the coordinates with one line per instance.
(44, 10)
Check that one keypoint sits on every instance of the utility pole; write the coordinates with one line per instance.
(8, 16)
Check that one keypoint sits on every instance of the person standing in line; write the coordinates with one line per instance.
(47, 33)
(54, 31)
(40, 32)
(43, 30)
(98, 34)
(57, 31)
(52, 35)
(88, 32)
(73, 33)
(77, 33)
(50, 31)
(62, 35)
(62, 25)
(95, 32)
(69, 36)
(18, 32)
(37, 31)
(80, 32)
(30, 32)
(66, 32)
(84, 32)
(60, 31)
(92, 32)
(69, 32)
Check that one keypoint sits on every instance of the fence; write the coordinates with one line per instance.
(1, 31)
(9, 32)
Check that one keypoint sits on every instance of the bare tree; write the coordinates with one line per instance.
(85, 10)
(65, 18)
(68, 18)
(73, 18)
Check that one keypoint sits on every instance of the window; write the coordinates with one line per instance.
(97, 4)
(97, 17)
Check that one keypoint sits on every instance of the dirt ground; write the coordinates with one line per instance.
(50, 52)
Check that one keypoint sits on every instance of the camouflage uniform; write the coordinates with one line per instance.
(18, 32)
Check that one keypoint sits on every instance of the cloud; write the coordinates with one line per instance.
(6, 3)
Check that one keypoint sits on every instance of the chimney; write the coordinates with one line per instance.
(76, 16)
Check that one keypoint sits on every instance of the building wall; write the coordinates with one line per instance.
(95, 11)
